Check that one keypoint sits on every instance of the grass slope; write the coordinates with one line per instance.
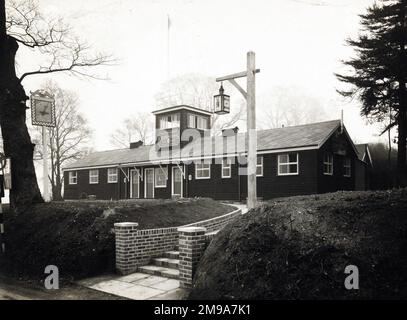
(298, 248)
(78, 237)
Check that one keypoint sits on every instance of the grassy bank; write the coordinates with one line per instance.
(78, 237)
(298, 248)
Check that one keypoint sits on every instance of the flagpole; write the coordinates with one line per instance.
(168, 46)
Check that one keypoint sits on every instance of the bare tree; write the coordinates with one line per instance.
(51, 39)
(289, 106)
(137, 127)
(197, 91)
(68, 140)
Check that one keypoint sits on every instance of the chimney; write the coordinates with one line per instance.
(342, 121)
(135, 145)
(230, 131)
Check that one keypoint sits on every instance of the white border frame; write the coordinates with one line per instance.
(327, 163)
(163, 186)
(288, 163)
(203, 178)
(145, 182)
(117, 175)
(97, 170)
(229, 166)
(350, 167)
(262, 167)
(131, 184)
(172, 183)
(69, 177)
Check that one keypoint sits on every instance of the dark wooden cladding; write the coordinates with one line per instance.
(309, 180)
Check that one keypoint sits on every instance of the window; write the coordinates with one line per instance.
(328, 164)
(347, 167)
(112, 175)
(259, 167)
(191, 121)
(287, 164)
(171, 121)
(202, 123)
(202, 170)
(197, 122)
(226, 168)
(161, 175)
(73, 177)
(93, 176)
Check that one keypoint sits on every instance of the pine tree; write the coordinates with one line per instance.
(378, 73)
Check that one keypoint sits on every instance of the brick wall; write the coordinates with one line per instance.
(192, 244)
(136, 248)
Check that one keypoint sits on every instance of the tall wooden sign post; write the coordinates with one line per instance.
(43, 114)
(250, 96)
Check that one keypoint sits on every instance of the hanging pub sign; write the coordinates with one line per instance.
(42, 109)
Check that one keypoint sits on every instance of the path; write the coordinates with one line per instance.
(137, 286)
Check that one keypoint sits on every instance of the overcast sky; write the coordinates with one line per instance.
(297, 43)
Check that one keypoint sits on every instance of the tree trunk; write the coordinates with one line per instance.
(16, 140)
(401, 146)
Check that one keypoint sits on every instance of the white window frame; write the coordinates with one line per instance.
(202, 123)
(138, 177)
(347, 166)
(328, 161)
(191, 118)
(226, 167)
(260, 166)
(115, 175)
(203, 167)
(71, 177)
(159, 171)
(174, 123)
(280, 164)
(93, 176)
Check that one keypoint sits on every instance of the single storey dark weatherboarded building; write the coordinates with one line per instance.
(298, 160)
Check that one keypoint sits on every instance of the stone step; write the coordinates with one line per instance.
(160, 271)
(166, 262)
(171, 254)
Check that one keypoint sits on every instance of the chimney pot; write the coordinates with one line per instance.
(135, 145)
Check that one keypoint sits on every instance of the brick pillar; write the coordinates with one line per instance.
(125, 233)
(192, 244)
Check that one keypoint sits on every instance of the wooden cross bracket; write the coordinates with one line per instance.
(231, 78)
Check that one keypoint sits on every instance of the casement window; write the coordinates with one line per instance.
(202, 123)
(347, 167)
(191, 121)
(197, 122)
(202, 170)
(171, 121)
(160, 176)
(93, 176)
(259, 167)
(288, 164)
(328, 164)
(226, 168)
(73, 177)
(112, 175)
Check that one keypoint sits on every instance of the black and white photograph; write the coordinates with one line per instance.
(177, 151)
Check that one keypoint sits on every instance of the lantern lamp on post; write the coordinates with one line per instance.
(222, 102)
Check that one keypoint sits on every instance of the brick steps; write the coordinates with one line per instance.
(160, 271)
(172, 254)
(166, 262)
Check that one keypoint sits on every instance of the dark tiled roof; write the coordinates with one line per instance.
(309, 135)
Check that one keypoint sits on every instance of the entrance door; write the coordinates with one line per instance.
(176, 182)
(134, 184)
(149, 183)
